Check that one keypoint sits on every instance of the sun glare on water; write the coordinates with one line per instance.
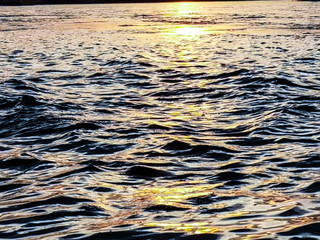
(189, 31)
(185, 10)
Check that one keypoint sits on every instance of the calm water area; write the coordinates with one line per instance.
(160, 121)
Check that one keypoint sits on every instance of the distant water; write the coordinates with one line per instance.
(160, 121)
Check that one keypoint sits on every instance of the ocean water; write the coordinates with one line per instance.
(160, 121)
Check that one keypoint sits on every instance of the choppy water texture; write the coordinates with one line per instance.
(160, 121)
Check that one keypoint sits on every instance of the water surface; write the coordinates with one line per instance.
(160, 121)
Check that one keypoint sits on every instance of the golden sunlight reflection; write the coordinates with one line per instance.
(195, 227)
(181, 193)
(175, 195)
(186, 8)
(189, 31)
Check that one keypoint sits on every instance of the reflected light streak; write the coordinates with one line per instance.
(178, 194)
(186, 9)
(195, 228)
(175, 195)
(189, 31)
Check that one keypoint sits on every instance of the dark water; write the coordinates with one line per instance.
(160, 121)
